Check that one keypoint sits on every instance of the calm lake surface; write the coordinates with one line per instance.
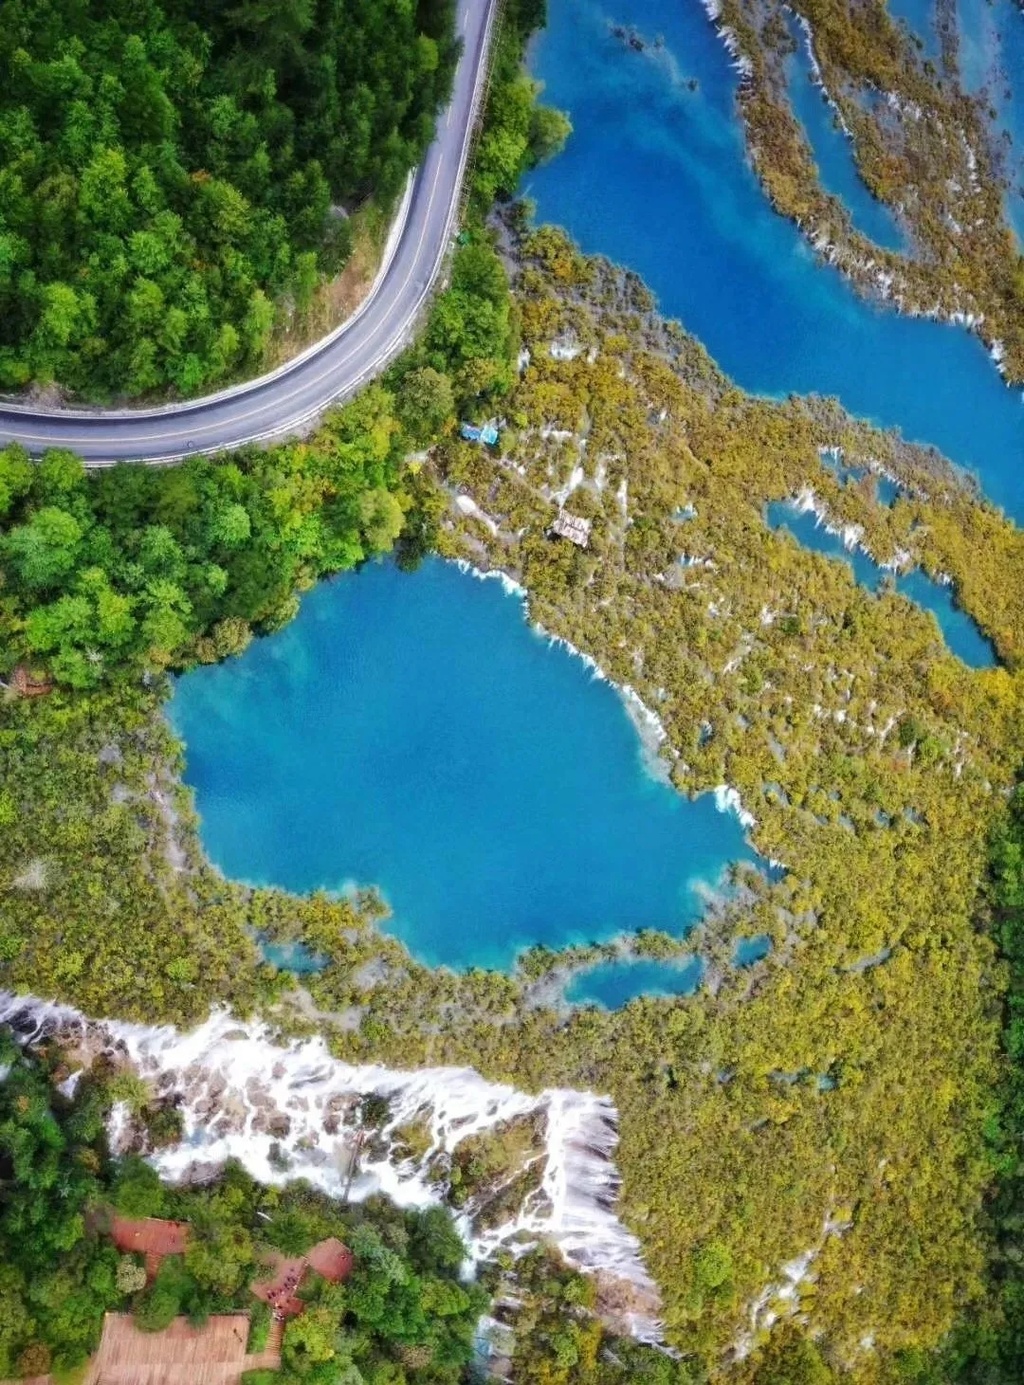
(655, 176)
(613, 984)
(413, 732)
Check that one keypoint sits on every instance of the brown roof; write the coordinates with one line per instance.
(331, 1259)
(149, 1236)
(25, 685)
(180, 1355)
(572, 527)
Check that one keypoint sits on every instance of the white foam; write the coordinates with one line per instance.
(727, 800)
(241, 1092)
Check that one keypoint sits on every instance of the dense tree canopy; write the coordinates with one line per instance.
(136, 567)
(170, 170)
(402, 1316)
(149, 567)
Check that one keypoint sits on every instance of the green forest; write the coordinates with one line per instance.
(402, 1315)
(176, 176)
(139, 568)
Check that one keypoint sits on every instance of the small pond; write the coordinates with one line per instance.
(293, 957)
(614, 984)
(751, 950)
(414, 733)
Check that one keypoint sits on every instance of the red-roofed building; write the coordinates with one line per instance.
(331, 1259)
(152, 1237)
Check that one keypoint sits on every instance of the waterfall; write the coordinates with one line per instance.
(290, 1110)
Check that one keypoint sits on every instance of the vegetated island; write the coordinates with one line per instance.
(923, 143)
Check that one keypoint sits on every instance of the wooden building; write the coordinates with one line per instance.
(572, 527)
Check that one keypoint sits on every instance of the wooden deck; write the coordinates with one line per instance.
(152, 1237)
(216, 1353)
(181, 1354)
(331, 1259)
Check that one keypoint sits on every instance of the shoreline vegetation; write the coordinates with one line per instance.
(809, 1146)
(922, 145)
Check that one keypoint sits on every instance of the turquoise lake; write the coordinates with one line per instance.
(412, 732)
(655, 176)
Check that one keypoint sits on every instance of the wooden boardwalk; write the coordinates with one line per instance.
(214, 1354)
(180, 1355)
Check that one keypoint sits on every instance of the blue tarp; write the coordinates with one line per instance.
(487, 434)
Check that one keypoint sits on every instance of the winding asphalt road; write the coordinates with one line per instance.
(286, 400)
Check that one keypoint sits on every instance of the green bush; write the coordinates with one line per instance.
(161, 1303)
(259, 1327)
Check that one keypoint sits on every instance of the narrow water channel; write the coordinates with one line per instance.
(958, 630)
(833, 149)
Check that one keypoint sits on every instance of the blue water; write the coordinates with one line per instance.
(751, 950)
(833, 151)
(412, 732)
(293, 957)
(991, 59)
(920, 17)
(655, 176)
(887, 491)
(962, 636)
(613, 984)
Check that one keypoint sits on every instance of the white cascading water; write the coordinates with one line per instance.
(240, 1094)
